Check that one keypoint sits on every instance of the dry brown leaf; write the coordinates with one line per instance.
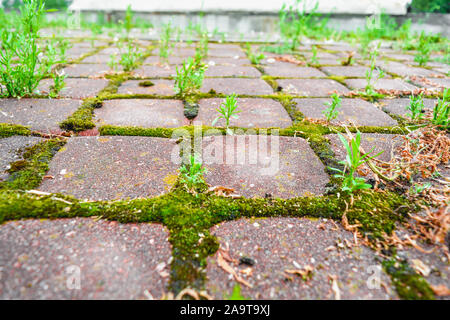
(305, 273)
(229, 269)
(440, 290)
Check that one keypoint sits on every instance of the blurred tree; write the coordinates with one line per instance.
(49, 4)
(442, 6)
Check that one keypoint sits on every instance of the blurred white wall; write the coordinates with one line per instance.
(397, 7)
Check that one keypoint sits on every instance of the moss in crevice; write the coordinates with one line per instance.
(408, 284)
(9, 130)
(82, 119)
(288, 103)
(27, 173)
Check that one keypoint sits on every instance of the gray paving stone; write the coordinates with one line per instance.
(40, 114)
(107, 168)
(42, 259)
(160, 87)
(76, 88)
(398, 106)
(349, 71)
(387, 84)
(237, 85)
(97, 58)
(404, 70)
(379, 142)
(256, 166)
(357, 111)
(293, 71)
(12, 149)
(147, 113)
(229, 71)
(255, 113)
(311, 87)
(87, 70)
(155, 71)
(279, 244)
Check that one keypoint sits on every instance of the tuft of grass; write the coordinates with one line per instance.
(227, 110)
(332, 112)
(353, 160)
(189, 78)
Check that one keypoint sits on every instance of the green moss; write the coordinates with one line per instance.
(409, 284)
(146, 83)
(8, 130)
(81, 119)
(27, 173)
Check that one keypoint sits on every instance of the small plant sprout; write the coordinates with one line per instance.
(370, 81)
(419, 188)
(189, 77)
(441, 111)
(130, 57)
(236, 294)
(423, 51)
(353, 160)
(332, 112)
(164, 42)
(128, 21)
(201, 51)
(255, 58)
(416, 107)
(192, 175)
(313, 59)
(58, 82)
(227, 111)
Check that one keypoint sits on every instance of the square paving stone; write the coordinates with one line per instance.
(258, 166)
(76, 88)
(108, 168)
(12, 149)
(293, 71)
(255, 113)
(311, 87)
(348, 71)
(225, 61)
(115, 260)
(226, 53)
(404, 70)
(155, 71)
(357, 111)
(386, 84)
(147, 113)
(156, 60)
(160, 87)
(97, 58)
(229, 71)
(40, 114)
(239, 86)
(279, 244)
(398, 106)
(90, 70)
(178, 51)
(379, 142)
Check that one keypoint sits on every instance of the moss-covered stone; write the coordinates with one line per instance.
(9, 130)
